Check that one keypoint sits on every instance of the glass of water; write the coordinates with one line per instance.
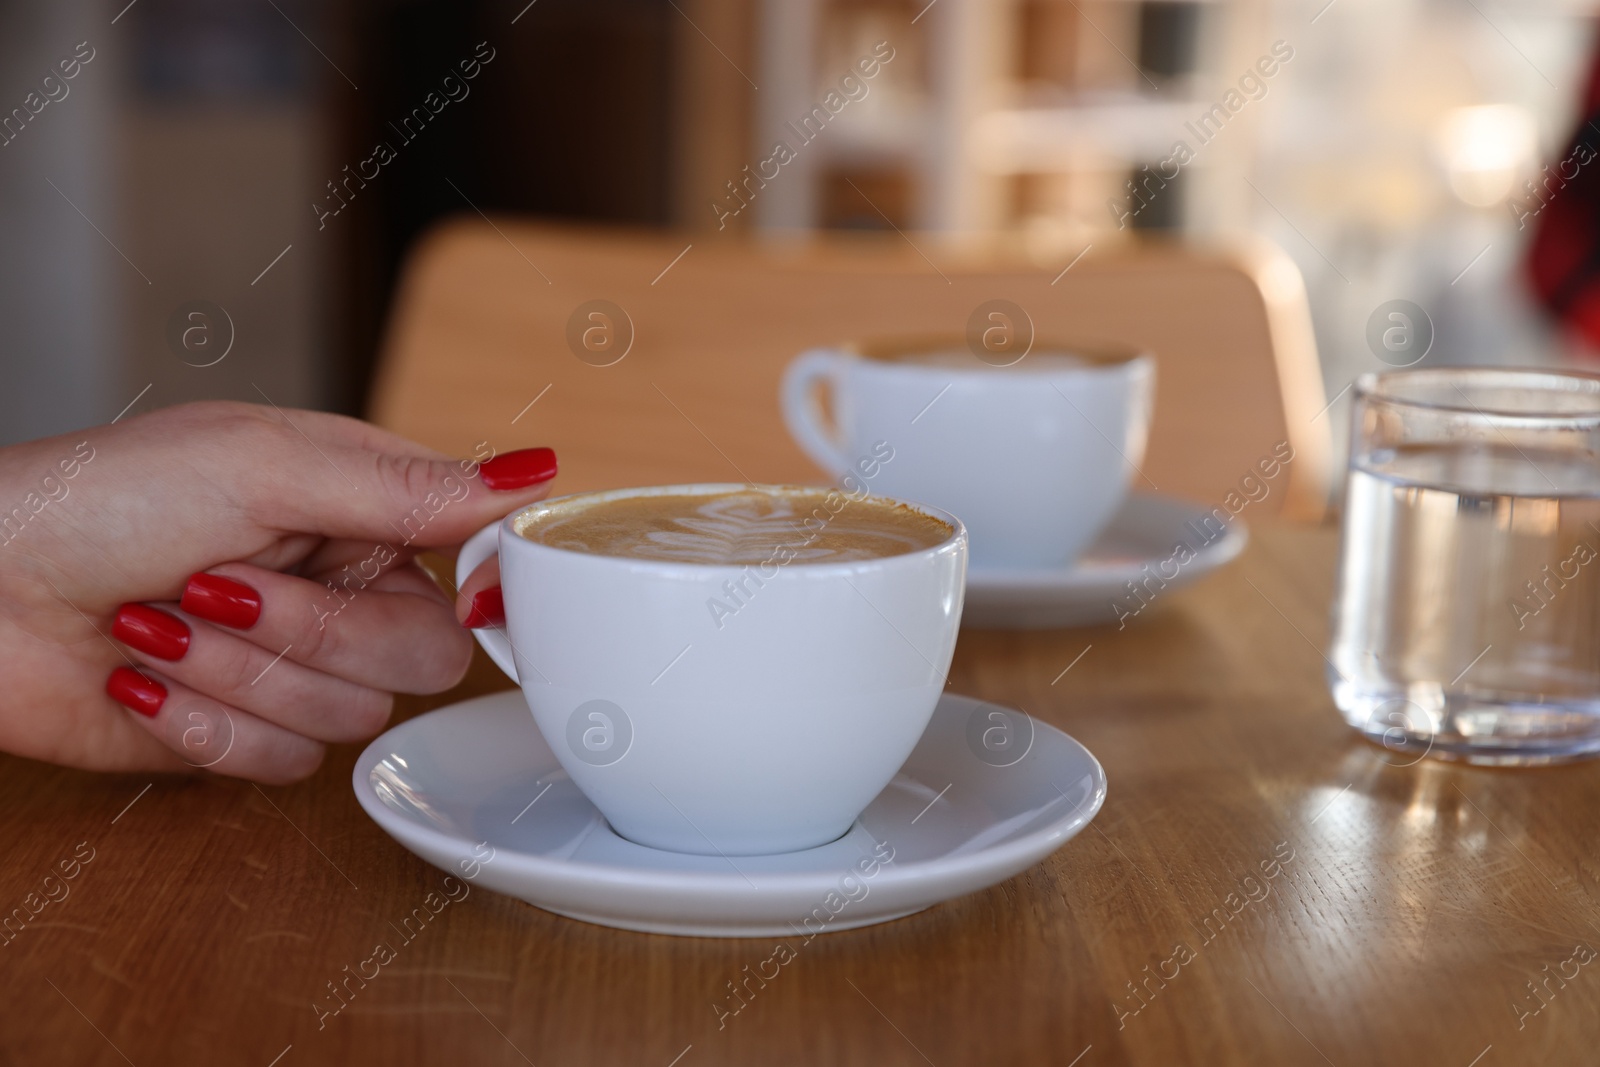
(1467, 620)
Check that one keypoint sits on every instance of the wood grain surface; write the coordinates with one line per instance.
(1261, 887)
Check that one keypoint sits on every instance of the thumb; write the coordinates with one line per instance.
(419, 501)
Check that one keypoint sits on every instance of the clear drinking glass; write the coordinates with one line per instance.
(1467, 620)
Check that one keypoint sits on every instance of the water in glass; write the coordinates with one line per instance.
(1468, 611)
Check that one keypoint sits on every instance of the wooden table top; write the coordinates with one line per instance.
(1261, 887)
(1411, 908)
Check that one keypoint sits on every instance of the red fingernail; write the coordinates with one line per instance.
(520, 469)
(222, 601)
(488, 609)
(134, 691)
(155, 633)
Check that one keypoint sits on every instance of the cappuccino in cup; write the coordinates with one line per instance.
(742, 527)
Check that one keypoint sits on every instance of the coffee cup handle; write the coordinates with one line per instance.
(481, 546)
(803, 415)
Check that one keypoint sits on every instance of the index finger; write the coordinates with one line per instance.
(407, 501)
(324, 427)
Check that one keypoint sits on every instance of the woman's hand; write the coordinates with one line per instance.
(229, 586)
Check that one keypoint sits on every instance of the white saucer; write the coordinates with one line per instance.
(443, 782)
(1144, 533)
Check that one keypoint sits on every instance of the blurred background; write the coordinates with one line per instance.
(205, 182)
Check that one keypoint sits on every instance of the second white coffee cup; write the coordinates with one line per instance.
(1035, 457)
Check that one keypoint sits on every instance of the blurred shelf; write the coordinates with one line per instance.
(1135, 129)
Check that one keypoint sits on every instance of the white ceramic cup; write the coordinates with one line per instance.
(695, 729)
(1035, 457)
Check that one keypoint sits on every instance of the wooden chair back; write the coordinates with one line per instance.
(486, 354)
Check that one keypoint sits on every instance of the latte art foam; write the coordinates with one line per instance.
(738, 528)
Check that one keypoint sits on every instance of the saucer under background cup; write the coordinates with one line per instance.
(987, 792)
(1140, 541)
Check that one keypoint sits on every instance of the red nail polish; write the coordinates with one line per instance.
(222, 601)
(520, 469)
(153, 632)
(134, 691)
(488, 609)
